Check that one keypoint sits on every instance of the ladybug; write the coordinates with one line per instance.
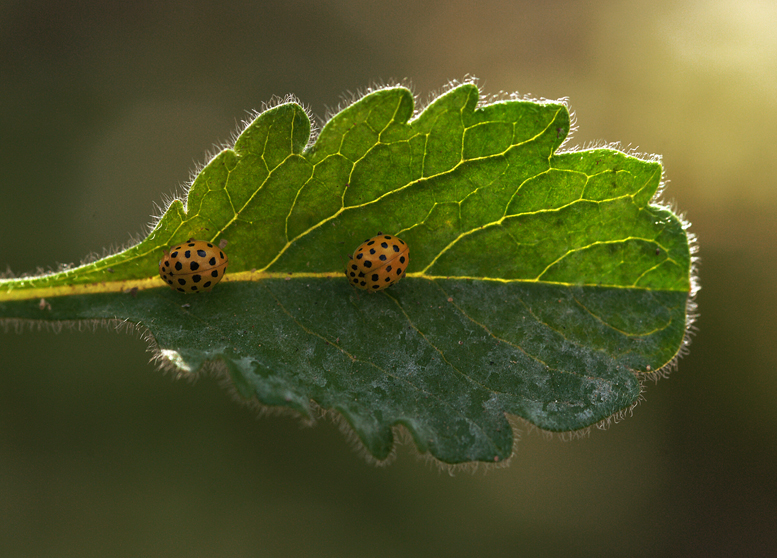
(193, 267)
(378, 262)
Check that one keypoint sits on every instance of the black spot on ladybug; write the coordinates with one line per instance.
(194, 266)
(194, 287)
(376, 286)
(388, 279)
(221, 255)
(384, 245)
(353, 274)
(359, 256)
(167, 263)
(396, 248)
(372, 251)
(367, 263)
(401, 259)
(370, 243)
(375, 277)
(388, 268)
(363, 283)
(382, 257)
(214, 273)
(178, 266)
(206, 285)
(399, 271)
(361, 274)
(201, 253)
(170, 281)
(210, 245)
(180, 289)
(181, 281)
(196, 278)
(212, 261)
(174, 254)
(187, 254)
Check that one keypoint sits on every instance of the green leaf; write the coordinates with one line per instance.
(541, 284)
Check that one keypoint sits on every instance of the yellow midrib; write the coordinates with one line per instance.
(127, 286)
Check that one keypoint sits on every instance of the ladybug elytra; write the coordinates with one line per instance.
(193, 266)
(378, 263)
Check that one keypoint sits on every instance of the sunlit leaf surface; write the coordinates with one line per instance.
(541, 284)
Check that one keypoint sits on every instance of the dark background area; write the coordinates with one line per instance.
(105, 109)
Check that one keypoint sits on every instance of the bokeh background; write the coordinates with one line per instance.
(106, 107)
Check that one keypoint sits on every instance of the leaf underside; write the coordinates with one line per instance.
(541, 284)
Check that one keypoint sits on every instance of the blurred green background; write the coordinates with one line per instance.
(106, 107)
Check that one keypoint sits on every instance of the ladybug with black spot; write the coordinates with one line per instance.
(193, 267)
(378, 263)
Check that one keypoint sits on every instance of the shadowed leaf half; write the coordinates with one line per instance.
(541, 284)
